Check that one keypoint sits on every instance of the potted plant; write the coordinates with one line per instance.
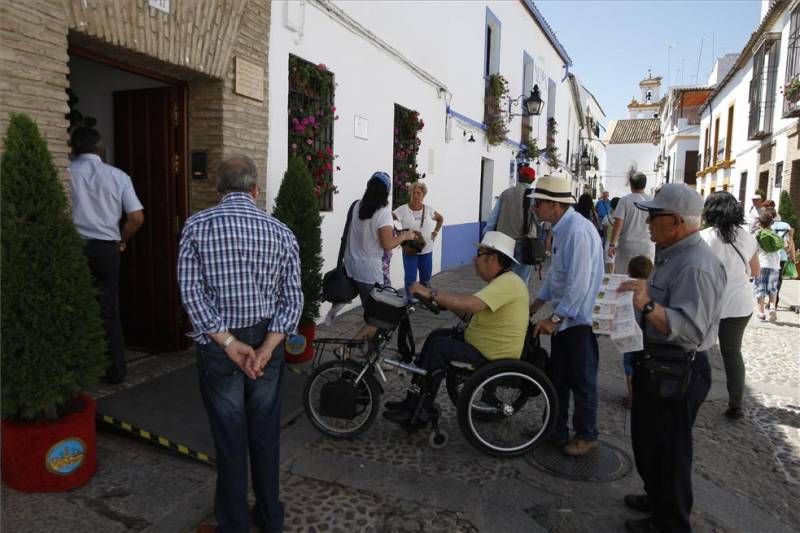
(551, 150)
(52, 342)
(296, 206)
(791, 90)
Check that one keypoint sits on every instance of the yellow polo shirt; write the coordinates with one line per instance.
(499, 331)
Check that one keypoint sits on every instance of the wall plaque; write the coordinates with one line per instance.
(161, 5)
(249, 79)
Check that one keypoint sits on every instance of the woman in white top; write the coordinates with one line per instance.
(369, 236)
(425, 221)
(767, 282)
(730, 241)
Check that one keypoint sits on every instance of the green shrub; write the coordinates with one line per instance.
(786, 211)
(296, 206)
(52, 342)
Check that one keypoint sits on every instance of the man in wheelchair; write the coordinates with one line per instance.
(496, 331)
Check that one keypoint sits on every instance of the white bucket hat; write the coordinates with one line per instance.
(554, 189)
(499, 242)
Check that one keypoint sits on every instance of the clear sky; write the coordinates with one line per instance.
(613, 43)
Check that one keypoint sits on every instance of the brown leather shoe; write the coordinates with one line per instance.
(577, 447)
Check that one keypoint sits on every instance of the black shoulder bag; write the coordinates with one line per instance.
(337, 287)
(662, 371)
(531, 248)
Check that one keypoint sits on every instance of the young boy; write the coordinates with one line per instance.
(639, 267)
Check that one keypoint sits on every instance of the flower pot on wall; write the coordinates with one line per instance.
(300, 347)
(52, 456)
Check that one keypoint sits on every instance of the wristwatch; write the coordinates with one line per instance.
(555, 319)
(227, 342)
(648, 308)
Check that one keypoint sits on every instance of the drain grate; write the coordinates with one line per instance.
(604, 463)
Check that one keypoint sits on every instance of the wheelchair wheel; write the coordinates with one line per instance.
(507, 408)
(362, 400)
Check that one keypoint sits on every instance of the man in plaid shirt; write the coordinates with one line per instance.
(239, 274)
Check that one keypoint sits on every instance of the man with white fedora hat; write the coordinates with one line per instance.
(496, 331)
(571, 285)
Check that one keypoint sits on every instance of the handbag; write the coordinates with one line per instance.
(416, 245)
(789, 270)
(662, 371)
(531, 249)
(337, 287)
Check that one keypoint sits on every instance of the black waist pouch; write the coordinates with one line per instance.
(338, 399)
(663, 371)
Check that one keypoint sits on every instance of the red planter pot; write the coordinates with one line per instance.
(300, 347)
(50, 456)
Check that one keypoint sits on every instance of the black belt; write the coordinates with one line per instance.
(101, 240)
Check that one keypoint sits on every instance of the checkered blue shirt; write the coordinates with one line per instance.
(238, 266)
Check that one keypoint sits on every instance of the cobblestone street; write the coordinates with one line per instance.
(746, 472)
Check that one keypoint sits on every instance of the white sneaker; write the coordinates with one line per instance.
(773, 314)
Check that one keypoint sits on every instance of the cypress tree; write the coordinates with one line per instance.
(296, 206)
(52, 343)
(786, 211)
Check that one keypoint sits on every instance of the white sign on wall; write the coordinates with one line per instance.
(360, 127)
(161, 5)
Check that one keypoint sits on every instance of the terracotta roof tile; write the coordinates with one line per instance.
(636, 131)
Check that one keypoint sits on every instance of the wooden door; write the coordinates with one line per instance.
(149, 144)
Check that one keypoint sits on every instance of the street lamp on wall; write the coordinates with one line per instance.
(585, 160)
(531, 106)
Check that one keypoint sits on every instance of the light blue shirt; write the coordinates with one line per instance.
(100, 194)
(782, 229)
(575, 274)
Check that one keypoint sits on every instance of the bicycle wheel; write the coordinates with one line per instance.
(506, 408)
(367, 398)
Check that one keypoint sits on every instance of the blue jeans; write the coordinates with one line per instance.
(245, 416)
(572, 367)
(422, 263)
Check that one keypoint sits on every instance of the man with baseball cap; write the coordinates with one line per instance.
(496, 331)
(571, 286)
(680, 305)
(511, 215)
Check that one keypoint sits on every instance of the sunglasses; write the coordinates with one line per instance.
(483, 252)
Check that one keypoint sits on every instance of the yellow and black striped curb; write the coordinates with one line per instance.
(156, 439)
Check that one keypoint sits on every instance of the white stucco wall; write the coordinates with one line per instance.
(447, 43)
(620, 158)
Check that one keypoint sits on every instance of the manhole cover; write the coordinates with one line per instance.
(604, 463)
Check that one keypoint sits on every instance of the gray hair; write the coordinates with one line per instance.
(692, 221)
(237, 173)
(418, 185)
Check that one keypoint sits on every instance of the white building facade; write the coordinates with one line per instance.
(439, 70)
(749, 127)
(678, 156)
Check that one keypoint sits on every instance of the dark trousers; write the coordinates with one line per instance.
(661, 433)
(245, 416)
(104, 261)
(441, 347)
(731, 331)
(572, 367)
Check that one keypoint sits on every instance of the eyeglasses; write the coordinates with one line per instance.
(538, 201)
(483, 252)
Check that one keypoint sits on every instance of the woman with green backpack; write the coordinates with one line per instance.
(766, 283)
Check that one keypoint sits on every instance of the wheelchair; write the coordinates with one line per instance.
(504, 407)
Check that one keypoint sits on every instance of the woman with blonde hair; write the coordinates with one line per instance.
(426, 223)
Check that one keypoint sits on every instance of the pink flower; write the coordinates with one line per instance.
(309, 142)
(312, 119)
(333, 109)
(294, 146)
(308, 158)
(322, 66)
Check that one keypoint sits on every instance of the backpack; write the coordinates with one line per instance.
(769, 241)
